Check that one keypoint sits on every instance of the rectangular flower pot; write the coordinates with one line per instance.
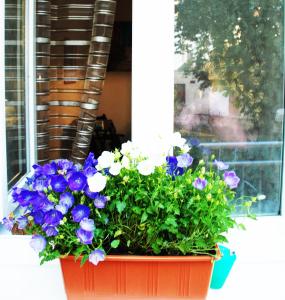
(138, 277)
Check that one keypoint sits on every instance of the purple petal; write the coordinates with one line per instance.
(96, 256)
(8, 223)
(53, 217)
(62, 208)
(66, 199)
(231, 179)
(77, 181)
(87, 224)
(80, 212)
(84, 236)
(184, 160)
(50, 230)
(38, 243)
(38, 217)
(22, 222)
(221, 165)
(100, 201)
(200, 183)
(58, 183)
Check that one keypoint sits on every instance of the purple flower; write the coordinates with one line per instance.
(80, 212)
(47, 205)
(25, 197)
(200, 183)
(96, 256)
(89, 171)
(221, 165)
(50, 230)
(172, 168)
(40, 183)
(22, 222)
(38, 243)
(8, 223)
(53, 217)
(58, 183)
(62, 208)
(38, 217)
(92, 195)
(65, 165)
(40, 201)
(231, 179)
(66, 199)
(16, 194)
(100, 201)
(77, 181)
(90, 161)
(84, 236)
(184, 160)
(87, 224)
(50, 169)
(38, 170)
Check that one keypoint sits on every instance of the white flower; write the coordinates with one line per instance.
(177, 140)
(125, 162)
(130, 149)
(115, 169)
(97, 182)
(185, 148)
(105, 160)
(127, 148)
(146, 167)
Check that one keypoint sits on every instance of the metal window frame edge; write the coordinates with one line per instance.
(3, 156)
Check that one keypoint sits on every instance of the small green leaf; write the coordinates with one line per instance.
(137, 210)
(128, 243)
(115, 244)
(144, 217)
(84, 259)
(118, 232)
(120, 206)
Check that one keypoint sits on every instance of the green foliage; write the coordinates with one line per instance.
(158, 215)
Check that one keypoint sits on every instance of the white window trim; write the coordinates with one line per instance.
(30, 87)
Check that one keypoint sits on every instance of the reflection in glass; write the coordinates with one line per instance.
(14, 88)
(229, 87)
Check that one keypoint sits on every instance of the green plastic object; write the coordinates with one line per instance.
(222, 268)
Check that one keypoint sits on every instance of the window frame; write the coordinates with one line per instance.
(6, 206)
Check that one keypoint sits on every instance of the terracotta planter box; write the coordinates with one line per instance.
(138, 277)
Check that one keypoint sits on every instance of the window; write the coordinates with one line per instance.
(15, 90)
(17, 95)
(230, 58)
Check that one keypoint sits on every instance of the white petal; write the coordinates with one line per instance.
(105, 160)
(145, 167)
(97, 182)
(115, 169)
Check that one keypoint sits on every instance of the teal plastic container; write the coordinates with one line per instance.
(222, 268)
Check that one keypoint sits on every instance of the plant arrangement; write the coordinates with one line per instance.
(172, 202)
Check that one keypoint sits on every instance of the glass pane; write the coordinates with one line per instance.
(14, 89)
(229, 88)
